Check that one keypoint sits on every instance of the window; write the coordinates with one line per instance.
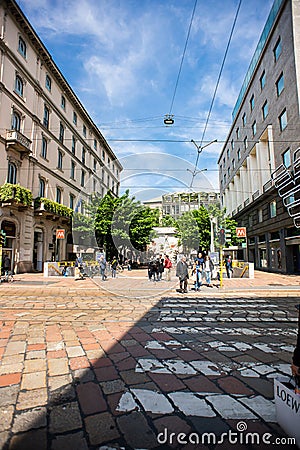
(228, 153)
(273, 208)
(48, 83)
(73, 145)
(283, 120)
(84, 130)
(82, 177)
(95, 144)
(22, 48)
(286, 158)
(72, 170)
(260, 215)
(254, 128)
(44, 147)
(59, 159)
(71, 201)
(238, 133)
(12, 173)
(228, 171)
(277, 50)
(58, 195)
(83, 155)
(245, 142)
(46, 116)
(103, 155)
(108, 181)
(262, 80)
(19, 85)
(74, 118)
(63, 102)
(108, 162)
(244, 119)
(265, 109)
(224, 178)
(95, 165)
(94, 185)
(16, 121)
(61, 132)
(232, 144)
(280, 84)
(42, 188)
(252, 102)
(233, 163)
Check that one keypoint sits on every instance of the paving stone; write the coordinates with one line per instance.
(232, 385)
(13, 348)
(74, 351)
(191, 405)
(152, 401)
(79, 362)
(122, 402)
(106, 373)
(136, 431)
(34, 418)
(13, 359)
(131, 377)
(34, 365)
(214, 425)
(4, 437)
(33, 439)
(36, 354)
(34, 380)
(6, 414)
(101, 428)
(165, 426)
(64, 418)
(72, 441)
(229, 408)
(9, 379)
(91, 398)
(58, 366)
(8, 395)
(201, 383)
(167, 382)
(32, 398)
(84, 375)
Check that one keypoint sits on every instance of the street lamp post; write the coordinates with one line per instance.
(199, 149)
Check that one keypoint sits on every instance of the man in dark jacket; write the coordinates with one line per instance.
(182, 272)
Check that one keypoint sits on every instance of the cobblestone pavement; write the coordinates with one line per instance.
(127, 362)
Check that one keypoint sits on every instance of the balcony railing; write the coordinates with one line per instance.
(48, 206)
(246, 202)
(239, 208)
(16, 194)
(255, 195)
(268, 185)
(17, 141)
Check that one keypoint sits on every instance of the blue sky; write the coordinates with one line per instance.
(122, 58)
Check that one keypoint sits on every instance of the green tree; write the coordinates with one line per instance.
(168, 221)
(193, 229)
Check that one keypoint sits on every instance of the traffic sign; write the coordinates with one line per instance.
(60, 234)
(241, 232)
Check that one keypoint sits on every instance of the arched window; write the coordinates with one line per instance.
(19, 85)
(58, 195)
(22, 47)
(16, 121)
(42, 188)
(12, 173)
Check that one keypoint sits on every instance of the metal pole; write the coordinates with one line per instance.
(221, 266)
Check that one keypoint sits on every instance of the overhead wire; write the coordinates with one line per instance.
(215, 92)
(182, 58)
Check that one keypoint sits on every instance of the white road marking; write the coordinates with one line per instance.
(191, 405)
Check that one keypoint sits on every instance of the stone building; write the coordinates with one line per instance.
(260, 162)
(52, 154)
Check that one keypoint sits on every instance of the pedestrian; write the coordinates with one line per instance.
(152, 270)
(182, 272)
(102, 264)
(6, 265)
(199, 268)
(208, 269)
(160, 267)
(228, 265)
(114, 265)
(168, 267)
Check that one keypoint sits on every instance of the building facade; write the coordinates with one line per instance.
(261, 149)
(53, 156)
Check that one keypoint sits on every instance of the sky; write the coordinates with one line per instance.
(122, 58)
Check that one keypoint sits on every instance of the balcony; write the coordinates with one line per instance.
(239, 208)
(255, 195)
(14, 194)
(52, 210)
(246, 202)
(17, 141)
(268, 185)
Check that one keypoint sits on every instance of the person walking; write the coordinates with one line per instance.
(102, 264)
(228, 265)
(208, 269)
(6, 266)
(199, 267)
(168, 266)
(114, 265)
(160, 266)
(182, 272)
